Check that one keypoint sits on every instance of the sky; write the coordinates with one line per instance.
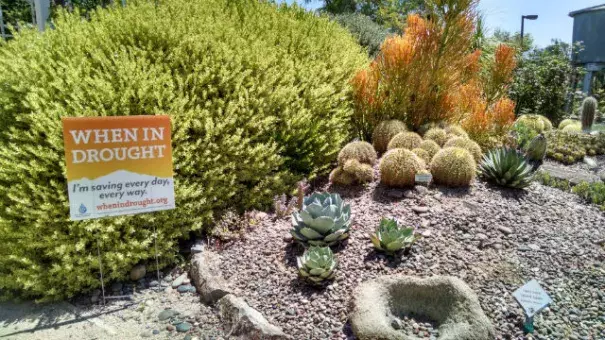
(553, 16)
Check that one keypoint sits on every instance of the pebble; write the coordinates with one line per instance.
(420, 210)
(183, 327)
(179, 280)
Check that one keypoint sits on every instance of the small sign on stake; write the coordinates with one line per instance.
(533, 299)
(424, 179)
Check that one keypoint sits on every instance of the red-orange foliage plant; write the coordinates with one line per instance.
(432, 74)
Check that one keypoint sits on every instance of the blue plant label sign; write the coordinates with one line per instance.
(423, 178)
(532, 298)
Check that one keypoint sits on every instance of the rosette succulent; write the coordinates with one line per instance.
(506, 167)
(317, 264)
(323, 220)
(390, 237)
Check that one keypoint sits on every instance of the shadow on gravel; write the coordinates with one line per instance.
(384, 194)
(453, 192)
(351, 191)
(507, 193)
(293, 250)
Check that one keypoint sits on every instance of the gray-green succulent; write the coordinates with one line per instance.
(391, 238)
(317, 264)
(506, 167)
(324, 220)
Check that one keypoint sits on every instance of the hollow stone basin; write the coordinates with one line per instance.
(445, 299)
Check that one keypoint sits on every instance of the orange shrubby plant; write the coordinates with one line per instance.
(432, 74)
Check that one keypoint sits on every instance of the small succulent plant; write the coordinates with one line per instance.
(324, 220)
(506, 167)
(391, 238)
(317, 264)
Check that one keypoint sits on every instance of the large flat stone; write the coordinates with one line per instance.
(444, 299)
(207, 277)
(574, 177)
(243, 322)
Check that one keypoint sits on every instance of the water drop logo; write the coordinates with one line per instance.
(82, 209)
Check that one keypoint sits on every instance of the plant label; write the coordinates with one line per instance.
(118, 165)
(423, 178)
(532, 298)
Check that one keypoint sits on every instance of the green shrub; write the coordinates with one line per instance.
(368, 33)
(591, 192)
(453, 167)
(257, 96)
(398, 168)
(566, 122)
(384, 132)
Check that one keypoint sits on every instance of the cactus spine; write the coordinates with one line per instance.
(589, 108)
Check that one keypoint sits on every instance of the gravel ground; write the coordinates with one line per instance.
(582, 167)
(494, 239)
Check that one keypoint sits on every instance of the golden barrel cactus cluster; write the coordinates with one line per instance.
(355, 163)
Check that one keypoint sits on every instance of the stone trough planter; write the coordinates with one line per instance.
(444, 299)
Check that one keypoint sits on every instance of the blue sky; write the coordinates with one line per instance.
(553, 21)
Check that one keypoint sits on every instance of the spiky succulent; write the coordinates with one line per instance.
(317, 264)
(323, 220)
(391, 238)
(506, 167)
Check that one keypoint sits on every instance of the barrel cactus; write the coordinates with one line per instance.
(323, 220)
(573, 127)
(430, 146)
(384, 132)
(456, 130)
(339, 176)
(536, 123)
(317, 264)
(362, 151)
(398, 168)
(536, 150)
(391, 238)
(467, 144)
(437, 135)
(589, 108)
(423, 154)
(566, 122)
(405, 140)
(361, 172)
(506, 167)
(454, 167)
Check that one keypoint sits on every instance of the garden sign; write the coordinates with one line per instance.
(118, 165)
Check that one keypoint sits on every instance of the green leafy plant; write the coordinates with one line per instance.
(523, 134)
(368, 33)
(317, 264)
(572, 146)
(591, 192)
(323, 220)
(245, 84)
(506, 167)
(391, 238)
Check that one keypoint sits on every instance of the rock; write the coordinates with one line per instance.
(602, 176)
(396, 324)
(395, 193)
(179, 280)
(167, 314)
(197, 247)
(408, 194)
(446, 300)
(170, 328)
(420, 210)
(591, 162)
(186, 289)
(183, 327)
(138, 272)
(505, 230)
(187, 337)
(154, 283)
(241, 320)
(207, 277)
(421, 190)
(156, 332)
(95, 296)
(146, 334)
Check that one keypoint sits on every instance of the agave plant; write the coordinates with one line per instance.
(506, 167)
(390, 237)
(323, 220)
(317, 264)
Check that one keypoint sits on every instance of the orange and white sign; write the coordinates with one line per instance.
(118, 165)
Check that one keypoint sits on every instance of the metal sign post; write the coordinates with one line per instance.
(2, 24)
(533, 299)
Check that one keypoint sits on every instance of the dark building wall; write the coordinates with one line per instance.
(589, 28)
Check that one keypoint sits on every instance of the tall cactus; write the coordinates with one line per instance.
(589, 108)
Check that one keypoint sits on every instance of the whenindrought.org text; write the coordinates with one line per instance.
(143, 203)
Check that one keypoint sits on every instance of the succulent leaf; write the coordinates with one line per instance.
(323, 220)
(390, 237)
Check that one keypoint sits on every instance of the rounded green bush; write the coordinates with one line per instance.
(453, 167)
(430, 146)
(255, 93)
(566, 122)
(384, 132)
(574, 127)
(437, 135)
(362, 151)
(537, 123)
(470, 145)
(405, 140)
(398, 168)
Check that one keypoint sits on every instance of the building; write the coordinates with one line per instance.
(588, 29)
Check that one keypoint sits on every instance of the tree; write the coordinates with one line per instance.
(542, 80)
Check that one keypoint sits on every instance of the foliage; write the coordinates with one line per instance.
(391, 238)
(545, 178)
(523, 134)
(589, 108)
(571, 146)
(368, 33)
(574, 127)
(430, 146)
(250, 116)
(537, 123)
(453, 167)
(466, 144)
(431, 74)
(317, 264)
(542, 81)
(398, 168)
(362, 151)
(323, 220)
(591, 192)
(506, 167)
(384, 132)
(437, 135)
(566, 122)
(16, 11)
(405, 140)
